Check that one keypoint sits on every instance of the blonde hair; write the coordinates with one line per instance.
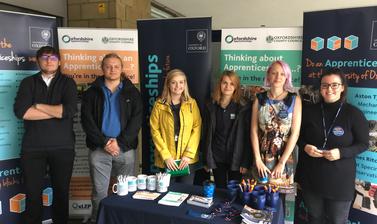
(165, 96)
(232, 75)
(114, 55)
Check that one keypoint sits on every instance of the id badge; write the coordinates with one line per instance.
(283, 113)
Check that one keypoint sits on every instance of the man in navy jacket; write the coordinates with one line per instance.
(111, 115)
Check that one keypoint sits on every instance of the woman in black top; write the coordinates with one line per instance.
(333, 133)
(225, 130)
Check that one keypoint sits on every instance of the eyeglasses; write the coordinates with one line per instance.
(333, 85)
(51, 57)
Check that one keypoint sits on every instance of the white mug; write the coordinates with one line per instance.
(132, 186)
(141, 182)
(162, 185)
(120, 189)
(151, 182)
(167, 179)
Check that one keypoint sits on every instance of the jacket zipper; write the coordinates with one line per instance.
(183, 129)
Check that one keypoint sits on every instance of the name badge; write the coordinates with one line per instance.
(338, 131)
(232, 116)
(283, 113)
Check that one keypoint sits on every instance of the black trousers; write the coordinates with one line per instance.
(325, 211)
(34, 167)
(223, 174)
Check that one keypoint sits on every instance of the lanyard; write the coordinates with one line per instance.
(327, 133)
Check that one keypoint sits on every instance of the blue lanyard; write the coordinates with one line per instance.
(327, 132)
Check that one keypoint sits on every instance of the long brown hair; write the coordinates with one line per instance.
(216, 96)
(165, 96)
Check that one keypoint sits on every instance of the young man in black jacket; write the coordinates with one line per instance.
(47, 102)
(111, 116)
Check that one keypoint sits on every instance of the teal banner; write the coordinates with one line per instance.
(20, 36)
(249, 52)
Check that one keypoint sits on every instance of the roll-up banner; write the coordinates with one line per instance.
(249, 52)
(21, 35)
(347, 38)
(82, 51)
(165, 44)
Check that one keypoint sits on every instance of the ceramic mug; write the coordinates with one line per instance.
(141, 181)
(162, 185)
(272, 199)
(132, 185)
(151, 182)
(258, 199)
(120, 189)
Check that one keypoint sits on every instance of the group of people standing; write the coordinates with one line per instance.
(111, 116)
(233, 135)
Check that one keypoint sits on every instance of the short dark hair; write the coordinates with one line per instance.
(47, 50)
(338, 72)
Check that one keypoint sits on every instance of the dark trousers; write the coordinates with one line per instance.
(325, 211)
(223, 174)
(34, 167)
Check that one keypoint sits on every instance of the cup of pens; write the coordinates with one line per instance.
(233, 182)
(258, 197)
(121, 187)
(246, 187)
(163, 181)
(258, 200)
(272, 196)
(232, 190)
(245, 197)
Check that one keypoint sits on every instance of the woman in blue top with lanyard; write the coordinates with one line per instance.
(333, 133)
(275, 126)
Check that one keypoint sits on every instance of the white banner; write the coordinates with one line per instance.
(82, 51)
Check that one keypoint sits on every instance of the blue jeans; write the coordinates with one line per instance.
(322, 210)
(102, 166)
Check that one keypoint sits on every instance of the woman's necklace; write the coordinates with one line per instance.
(275, 97)
(282, 112)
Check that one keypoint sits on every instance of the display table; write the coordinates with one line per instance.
(126, 210)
